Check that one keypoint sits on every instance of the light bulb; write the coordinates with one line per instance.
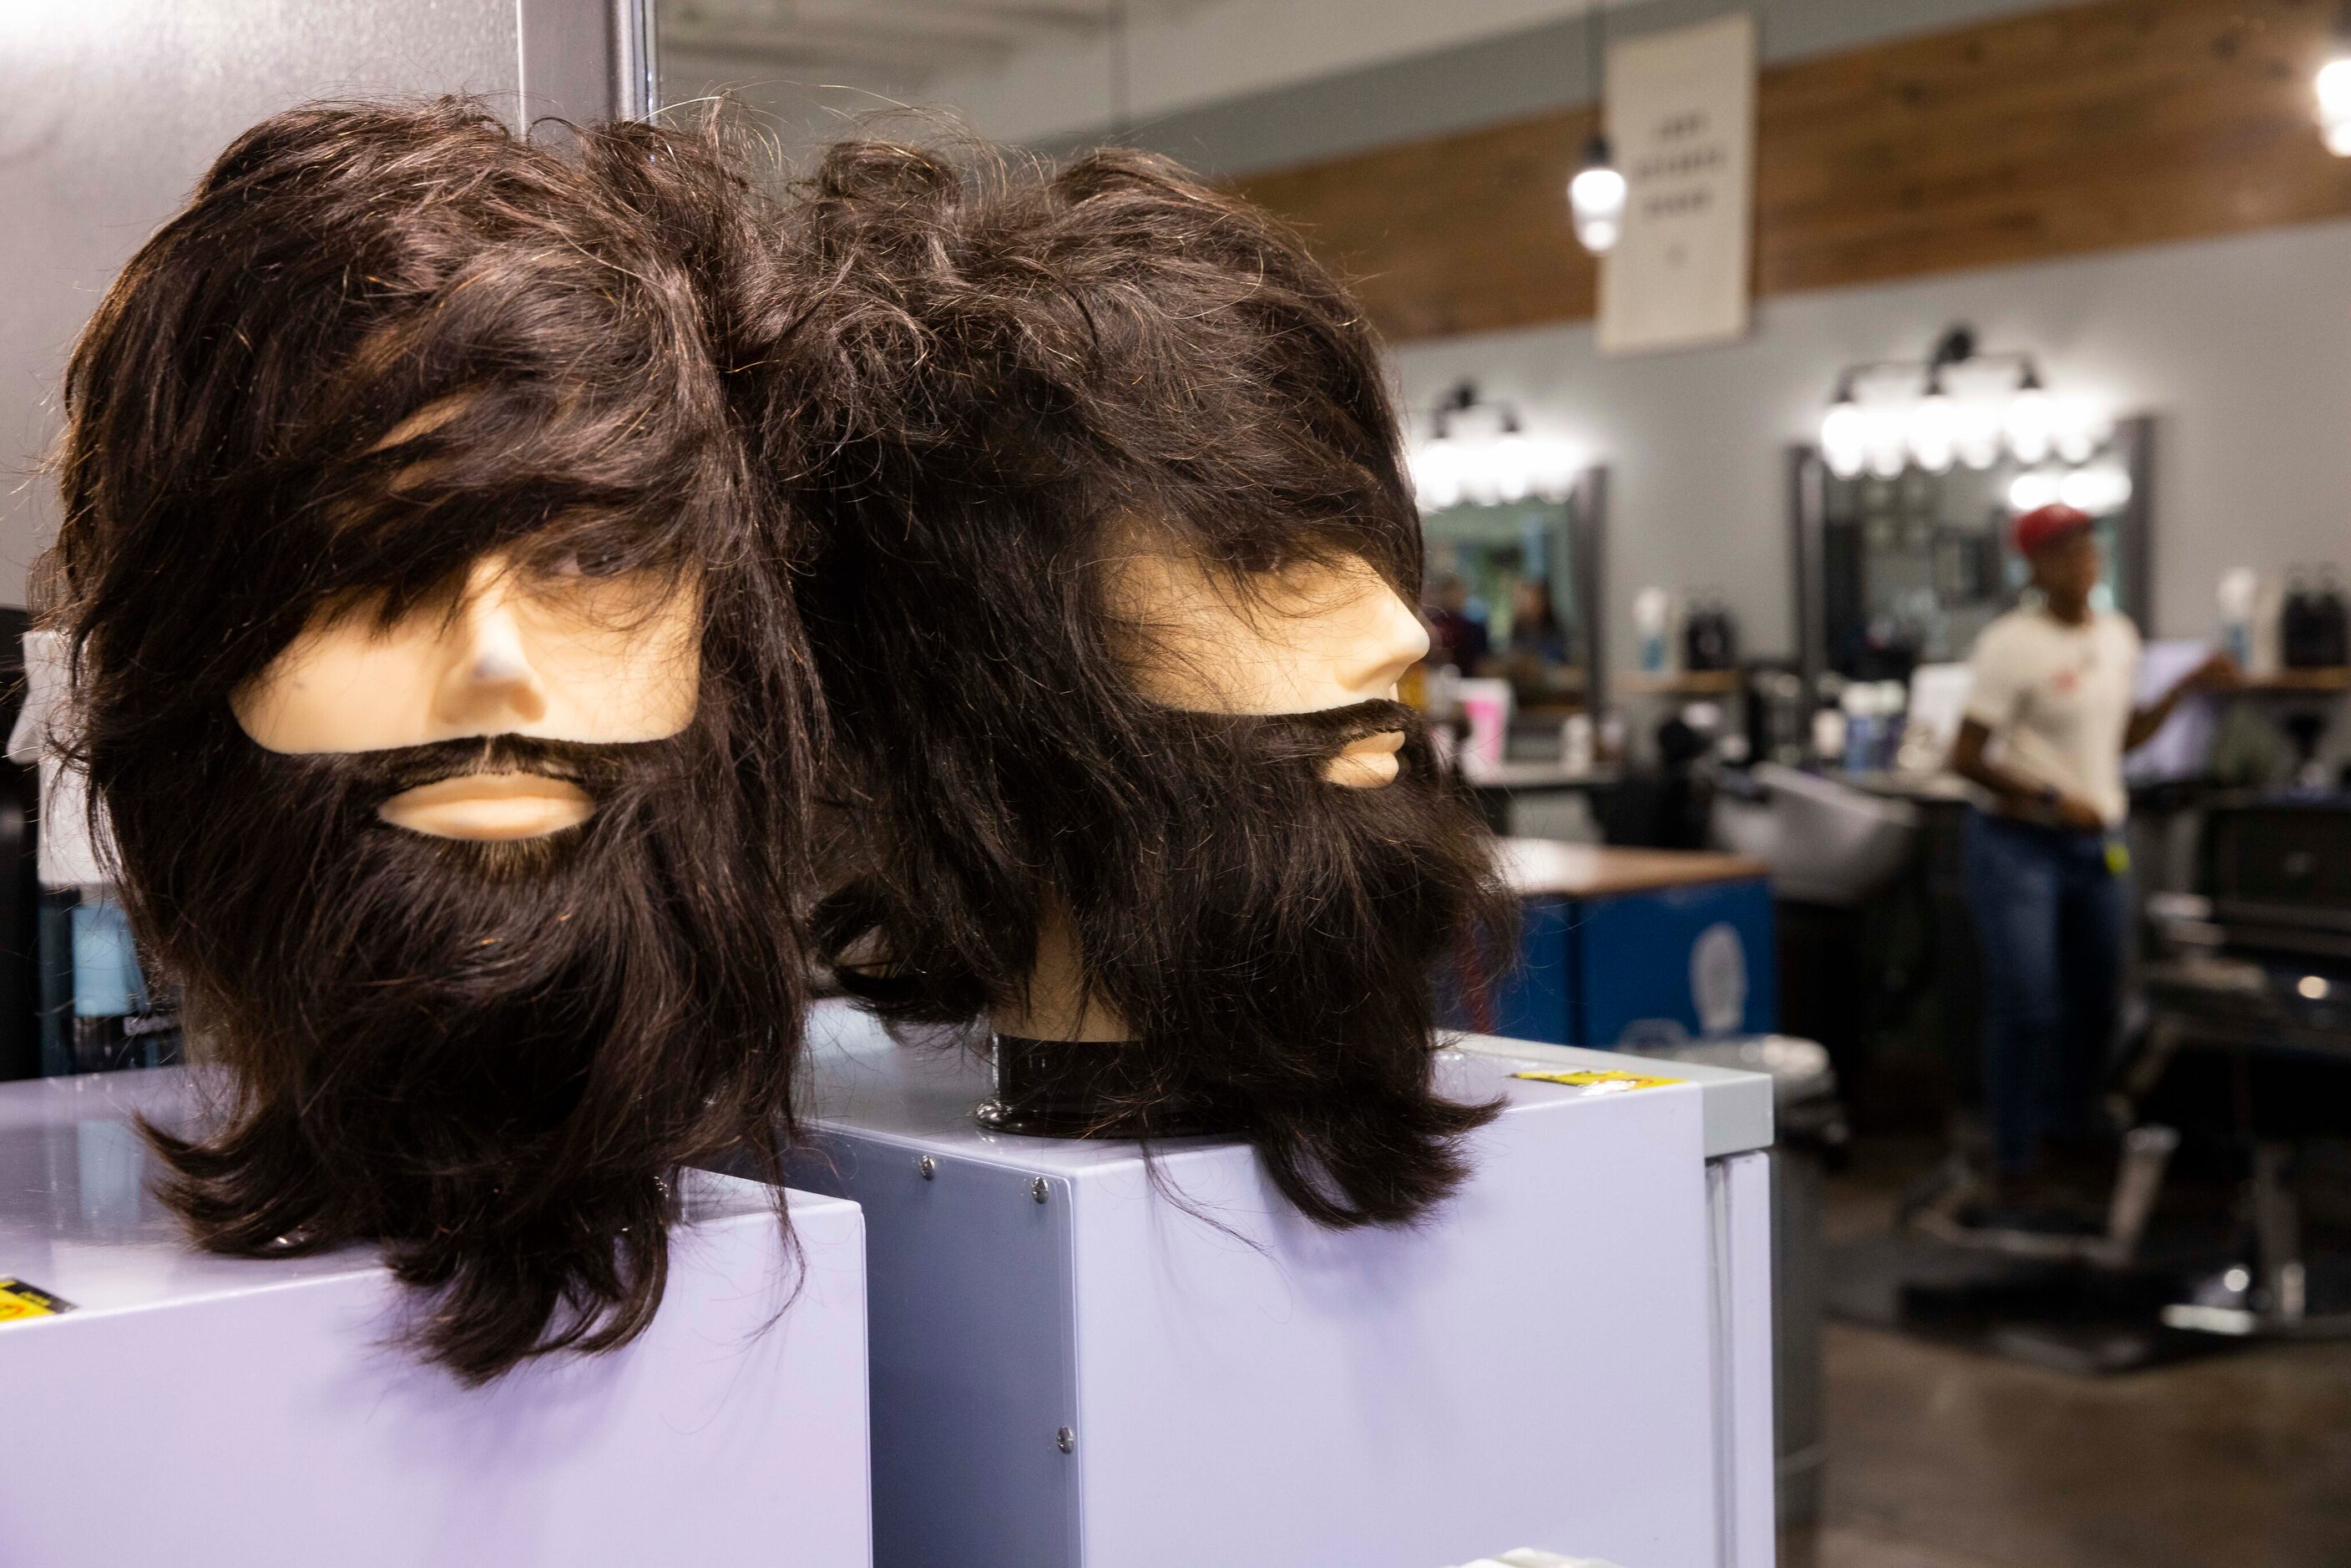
(2031, 490)
(1976, 432)
(1511, 460)
(2103, 487)
(2334, 87)
(1552, 472)
(1889, 439)
(1480, 485)
(1596, 199)
(1934, 431)
(2077, 429)
(1437, 475)
(2334, 105)
(1844, 438)
(2030, 420)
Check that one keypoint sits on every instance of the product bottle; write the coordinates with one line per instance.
(2240, 596)
(1861, 728)
(1576, 740)
(1828, 735)
(1651, 611)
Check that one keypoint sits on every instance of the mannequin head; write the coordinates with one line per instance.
(447, 709)
(1111, 566)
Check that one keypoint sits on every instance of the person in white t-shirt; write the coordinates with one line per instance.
(2050, 714)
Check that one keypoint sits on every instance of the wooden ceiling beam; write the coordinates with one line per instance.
(2083, 128)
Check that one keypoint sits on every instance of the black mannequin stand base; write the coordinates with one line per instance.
(1090, 1089)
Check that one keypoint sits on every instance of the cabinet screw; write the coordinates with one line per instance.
(1065, 1440)
(928, 1166)
(1038, 1190)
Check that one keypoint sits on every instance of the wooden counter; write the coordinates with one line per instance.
(1544, 866)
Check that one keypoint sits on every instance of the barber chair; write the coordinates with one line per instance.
(2250, 1043)
(2247, 1049)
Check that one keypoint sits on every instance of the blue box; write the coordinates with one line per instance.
(1698, 956)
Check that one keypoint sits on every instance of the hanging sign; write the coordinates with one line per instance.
(1681, 121)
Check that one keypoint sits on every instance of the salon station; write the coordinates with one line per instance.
(1178, 784)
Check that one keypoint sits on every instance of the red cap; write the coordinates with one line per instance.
(2039, 528)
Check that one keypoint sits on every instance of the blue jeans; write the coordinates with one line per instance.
(2050, 914)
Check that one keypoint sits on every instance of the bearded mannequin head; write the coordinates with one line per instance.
(450, 725)
(1111, 554)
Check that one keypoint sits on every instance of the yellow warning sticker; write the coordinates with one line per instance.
(1610, 1082)
(19, 1300)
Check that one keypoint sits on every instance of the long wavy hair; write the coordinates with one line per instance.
(987, 372)
(380, 342)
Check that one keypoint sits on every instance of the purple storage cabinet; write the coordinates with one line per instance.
(209, 1412)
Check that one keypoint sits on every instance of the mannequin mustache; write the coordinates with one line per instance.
(1321, 735)
(596, 768)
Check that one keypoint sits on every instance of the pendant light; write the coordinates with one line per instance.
(1596, 196)
(2333, 86)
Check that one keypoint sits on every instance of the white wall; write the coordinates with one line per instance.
(2241, 347)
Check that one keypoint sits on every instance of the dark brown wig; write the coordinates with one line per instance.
(990, 375)
(379, 344)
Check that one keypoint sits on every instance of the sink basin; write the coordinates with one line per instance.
(1826, 843)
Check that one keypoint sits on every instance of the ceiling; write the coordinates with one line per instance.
(1021, 70)
(906, 45)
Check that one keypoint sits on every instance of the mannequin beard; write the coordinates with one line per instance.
(1269, 939)
(489, 1056)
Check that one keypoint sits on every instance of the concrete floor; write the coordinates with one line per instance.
(1948, 1459)
(1943, 1458)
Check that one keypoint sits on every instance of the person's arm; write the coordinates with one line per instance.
(2217, 673)
(2019, 794)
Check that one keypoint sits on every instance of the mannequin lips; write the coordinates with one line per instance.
(1367, 763)
(488, 806)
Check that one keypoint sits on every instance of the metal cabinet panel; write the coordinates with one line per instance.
(1536, 1365)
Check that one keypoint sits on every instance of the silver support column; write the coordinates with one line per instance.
(586, 59)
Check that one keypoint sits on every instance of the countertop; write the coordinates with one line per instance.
(1598, 871)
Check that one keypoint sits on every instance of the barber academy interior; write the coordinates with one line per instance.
(1176, 783)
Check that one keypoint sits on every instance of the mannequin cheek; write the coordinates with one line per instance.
(339, 688)
(616, 683)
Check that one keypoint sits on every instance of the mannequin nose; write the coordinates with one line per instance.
(1393, 641)
(491, 681)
